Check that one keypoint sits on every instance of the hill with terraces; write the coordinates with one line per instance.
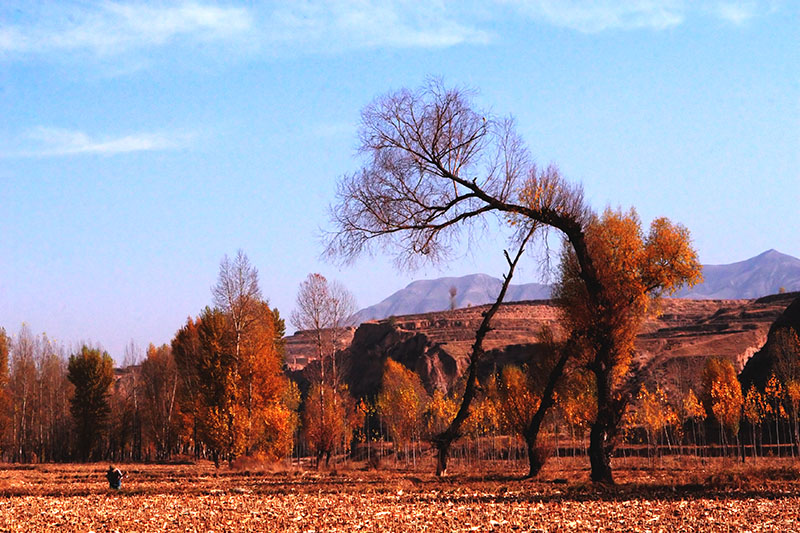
(674, 343)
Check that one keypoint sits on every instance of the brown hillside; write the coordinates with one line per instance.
(436, 345)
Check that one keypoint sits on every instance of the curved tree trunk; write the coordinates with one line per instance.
(535, 459)
(445, 439)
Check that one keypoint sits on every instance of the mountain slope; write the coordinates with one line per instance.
(429, 295)
(759, 276)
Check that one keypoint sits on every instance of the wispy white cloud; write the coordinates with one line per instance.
(111, 28)
(51, 142)
(593, 16)
(735, 12)
(347, 24)
(108, 28)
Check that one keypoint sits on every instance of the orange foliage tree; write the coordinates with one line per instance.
(654, 413)
(722, 395)
(694, 411)
(633, 271)
(784, 347)
(230, 360)
(754, 411)
(517, 399)
(330, 418)
(159, 382)
(401, 404)
(774, 393)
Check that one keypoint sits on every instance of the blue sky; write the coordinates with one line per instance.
(141, 142)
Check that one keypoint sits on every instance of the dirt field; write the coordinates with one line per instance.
(685, 496)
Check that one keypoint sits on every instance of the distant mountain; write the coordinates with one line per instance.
(429, 295)
(759, 276)
(434, 295)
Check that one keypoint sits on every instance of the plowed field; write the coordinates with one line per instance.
(200, 498)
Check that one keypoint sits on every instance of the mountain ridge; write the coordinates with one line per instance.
(755, 277)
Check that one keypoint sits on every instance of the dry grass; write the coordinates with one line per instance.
(675, 495)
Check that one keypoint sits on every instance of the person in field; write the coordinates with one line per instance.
(114, 477)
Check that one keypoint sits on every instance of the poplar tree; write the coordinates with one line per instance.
(92, 373)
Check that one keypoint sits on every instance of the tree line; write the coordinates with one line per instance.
(220, 391)
(217, 391)
(434, 168)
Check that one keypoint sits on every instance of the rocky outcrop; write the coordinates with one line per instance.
(437, 345)
(686, 332)
(763, 363)
(676, 341)
(301, 348)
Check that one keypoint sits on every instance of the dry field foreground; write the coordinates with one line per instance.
(690, 496)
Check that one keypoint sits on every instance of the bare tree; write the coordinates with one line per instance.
(434, 167)
(237, 293)
(325, 308)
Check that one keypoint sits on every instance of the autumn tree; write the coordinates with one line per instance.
(754, 411)
(722, 395)
(486, 415)
(238, 295)
(330, 417)
(633, 271)
(324, 309)
(160, 380)
(694, 411)
(401, 404)
(208, 348)
(528, 397)
(185, 348)
(654, 413)
(774, 393)
(433, 168)
(578, 401)
(269, 397)
(440, 411)
(784, 350)
(230, 360)
(6, 420)
(91, 372)
(23, 386)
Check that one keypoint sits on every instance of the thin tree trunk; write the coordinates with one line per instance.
(536, 460)
(445, 439)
